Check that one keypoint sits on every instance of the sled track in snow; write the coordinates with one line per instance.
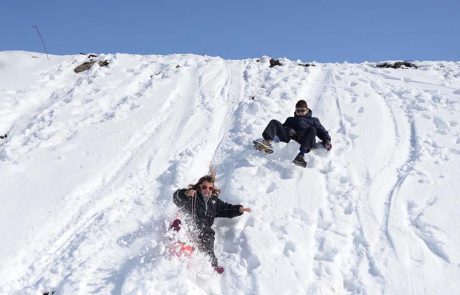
(82, 224)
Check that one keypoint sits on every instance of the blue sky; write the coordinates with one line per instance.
(323, 31)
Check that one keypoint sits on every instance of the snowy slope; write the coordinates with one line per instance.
(91, 161)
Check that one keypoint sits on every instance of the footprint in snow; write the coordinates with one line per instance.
(253, 262)
(440, 123)
(250, 222)
(326, 253)
(272, 187)
(288, 247)
(353, 136)
(326, 168)
(338, 151)
(348, 209)
(343, 179)
(302, 214)
(311, 162)
(350, 120)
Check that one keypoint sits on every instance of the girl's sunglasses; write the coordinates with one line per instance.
(204, 187)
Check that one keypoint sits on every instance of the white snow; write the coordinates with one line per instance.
(91, 160)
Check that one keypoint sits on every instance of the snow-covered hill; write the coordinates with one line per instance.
(90, 162)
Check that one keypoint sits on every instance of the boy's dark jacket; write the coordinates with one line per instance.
(301, 123)
(205, 212)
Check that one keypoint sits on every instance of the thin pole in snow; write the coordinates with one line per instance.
(43, 42)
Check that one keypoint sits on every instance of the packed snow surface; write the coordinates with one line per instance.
(90, 161)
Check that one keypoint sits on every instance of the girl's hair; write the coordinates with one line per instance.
(208, 178)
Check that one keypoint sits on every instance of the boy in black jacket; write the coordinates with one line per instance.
(303, 128)
(201, 203)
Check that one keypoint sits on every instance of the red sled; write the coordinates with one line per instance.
(179, 248)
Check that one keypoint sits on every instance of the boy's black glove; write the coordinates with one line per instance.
(327, 145)
(292, 133)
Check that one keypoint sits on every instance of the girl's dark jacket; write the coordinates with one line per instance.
(205, 212)
(301, 123)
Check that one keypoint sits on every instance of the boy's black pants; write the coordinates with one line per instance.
(306, 138)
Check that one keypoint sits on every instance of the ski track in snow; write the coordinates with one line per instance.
(360, 219)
